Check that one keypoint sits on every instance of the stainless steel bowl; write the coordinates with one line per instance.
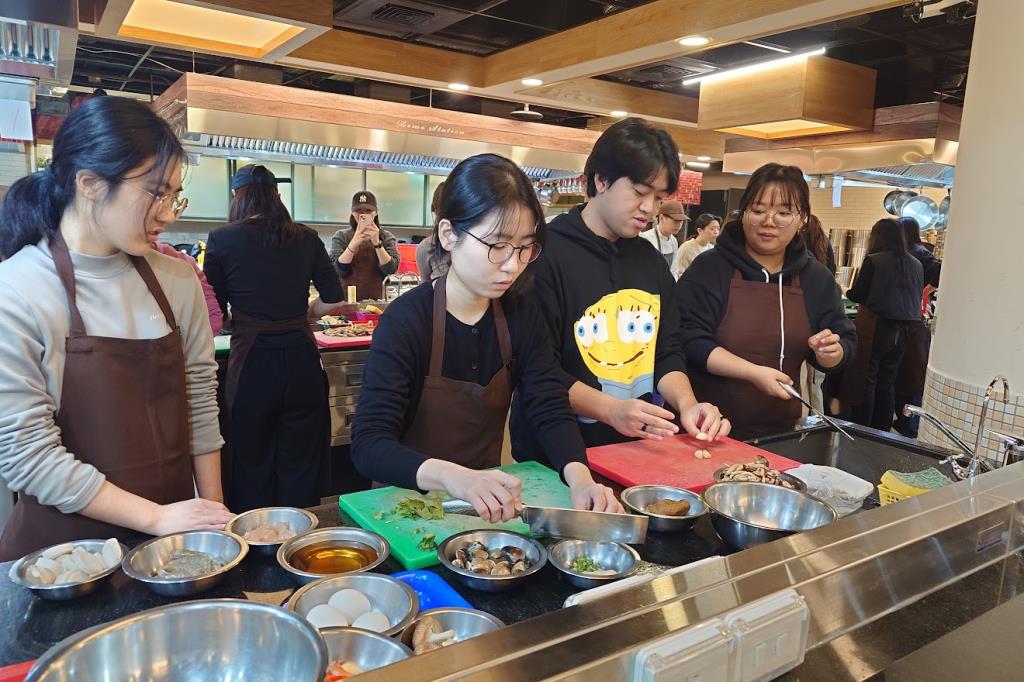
(368, 650)
(620, 558)
(492, 539)
(65, 590)
(143, 562)
(390, 596)
(200, 641)
(341, 535)
(467, 623)
(639, 496)
(299, 520)
(746, 514)
(793, 480)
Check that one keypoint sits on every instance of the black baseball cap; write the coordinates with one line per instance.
(253, 174)
(364, 200)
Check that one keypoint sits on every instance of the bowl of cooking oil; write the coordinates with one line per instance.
(332, 551)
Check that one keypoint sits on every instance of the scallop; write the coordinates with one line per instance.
(58, 550)
(324, 616)
(351, 603)
(112, 553)
(374, 620)
(73, 576)
(40, 575)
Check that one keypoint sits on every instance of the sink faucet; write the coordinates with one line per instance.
(977, 462)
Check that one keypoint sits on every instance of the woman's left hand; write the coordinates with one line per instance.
(826, 347)
(587, 494)
(704, 418)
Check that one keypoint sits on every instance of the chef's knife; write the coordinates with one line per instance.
(572, 523)
(831, 422)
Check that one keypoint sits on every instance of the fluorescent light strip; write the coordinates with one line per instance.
(754, 68)
(766, 46)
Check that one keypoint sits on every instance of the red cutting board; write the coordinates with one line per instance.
(325, 341)
(16, 672)
(671, 462)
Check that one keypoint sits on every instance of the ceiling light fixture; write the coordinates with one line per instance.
(694, 41)
(753, 68)
(766, 46)
(698, 164)
(460, 87)
(532, 82)
(703, 158)
(619, 114)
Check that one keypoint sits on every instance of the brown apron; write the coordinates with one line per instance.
(462, 421)
(855, 374)
(750, 330)
(365, 275)
(244, 330)
(123, 409)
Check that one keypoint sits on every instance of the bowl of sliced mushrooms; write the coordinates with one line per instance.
(70, 569)
(758, 471)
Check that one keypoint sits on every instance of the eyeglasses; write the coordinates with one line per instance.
(499, 253)
(782, 218)
(177, 204)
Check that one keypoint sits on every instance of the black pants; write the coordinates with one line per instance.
(887, 350)
(280, 429)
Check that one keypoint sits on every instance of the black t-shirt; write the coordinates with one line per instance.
(267, 282)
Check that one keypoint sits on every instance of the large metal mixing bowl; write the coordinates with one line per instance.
(746, 514)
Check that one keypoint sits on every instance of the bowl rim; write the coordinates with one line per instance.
(489, 617)
(14, 572)
(799, 485)
(624, 495)
(72, 642)
(828, 507)
(590, 576)
(129, 570)
(446, 562)
(395, 640)
(414, 600)
(284, 547)
(313, 520)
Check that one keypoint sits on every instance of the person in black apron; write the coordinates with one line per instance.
(759, 305)
(448, 355)
(276, 390)
(109, 387)
(365, 254)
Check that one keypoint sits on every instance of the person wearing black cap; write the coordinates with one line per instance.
(276, 390)
(365, 254)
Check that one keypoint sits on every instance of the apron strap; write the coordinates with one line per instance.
(437, 338)
(504, 338)
(143, 268)
(66, 272)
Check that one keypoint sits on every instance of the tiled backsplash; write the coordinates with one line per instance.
(958, 405)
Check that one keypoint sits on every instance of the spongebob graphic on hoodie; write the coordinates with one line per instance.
(616, 338)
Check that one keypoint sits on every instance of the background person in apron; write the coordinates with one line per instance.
(707, 227)
(108, 405)
(276, 389)
(759, 305)
(448, 355)
(669, 222)
(364, 253)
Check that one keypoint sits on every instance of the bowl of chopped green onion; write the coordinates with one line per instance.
(590, 564)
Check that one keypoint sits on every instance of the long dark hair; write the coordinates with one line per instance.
(793, 188)
(888, 236)
(479, 186)
(911, 230)
(108, 136)
(702, 221)
(260, 205)
(817, 240)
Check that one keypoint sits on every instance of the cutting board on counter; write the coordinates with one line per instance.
(671, 462)
(541, 486)
(324, 341)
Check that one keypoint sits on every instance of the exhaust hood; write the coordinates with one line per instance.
(232, 118)
(38, 39)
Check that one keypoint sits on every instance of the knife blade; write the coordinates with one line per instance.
(831, 422)
(576, 524)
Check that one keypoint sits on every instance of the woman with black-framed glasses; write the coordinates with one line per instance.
(448, 355)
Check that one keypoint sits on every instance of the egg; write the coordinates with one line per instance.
(324, 616)
(352, 603)
(374, 620)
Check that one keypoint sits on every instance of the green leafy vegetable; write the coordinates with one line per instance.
(428, 508)
(584, 564)
(428, 543)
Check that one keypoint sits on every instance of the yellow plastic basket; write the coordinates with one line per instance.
(887, 496)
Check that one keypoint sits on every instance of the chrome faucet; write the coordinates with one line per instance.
(977, 463)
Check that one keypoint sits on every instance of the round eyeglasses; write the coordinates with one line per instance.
(499, 253)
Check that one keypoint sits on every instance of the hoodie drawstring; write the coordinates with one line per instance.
(782, 320)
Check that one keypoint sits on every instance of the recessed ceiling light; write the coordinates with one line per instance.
(620, 114)
(694, 41)
(698, 164)
(532, 82)
(461, 87)
(703, 158)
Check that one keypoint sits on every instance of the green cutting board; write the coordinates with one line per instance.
(541, 487)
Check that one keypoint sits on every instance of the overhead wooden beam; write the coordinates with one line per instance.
(599, 96)
(312, 12)
(690, 141)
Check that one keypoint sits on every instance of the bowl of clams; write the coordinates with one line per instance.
(492, 560)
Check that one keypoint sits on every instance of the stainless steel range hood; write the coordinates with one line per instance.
(232, 118)
(38, 39)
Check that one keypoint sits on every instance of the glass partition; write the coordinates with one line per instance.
(399, 195)
(332, 193)
(206, 186)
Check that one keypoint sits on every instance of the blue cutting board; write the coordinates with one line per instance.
(541, 487)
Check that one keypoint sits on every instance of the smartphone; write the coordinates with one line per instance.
(365, 219)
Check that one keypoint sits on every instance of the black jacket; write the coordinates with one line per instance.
(890, 288)
(702, 295)
(932, 266)
(609, 309)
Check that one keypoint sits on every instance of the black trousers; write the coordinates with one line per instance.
(280, 427)
(887, 351)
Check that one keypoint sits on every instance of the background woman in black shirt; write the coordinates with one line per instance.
(276, 390)
(448, 355)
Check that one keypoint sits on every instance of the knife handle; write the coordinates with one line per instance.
(458, 507)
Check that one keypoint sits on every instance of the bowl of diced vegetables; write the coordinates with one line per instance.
(590, 564)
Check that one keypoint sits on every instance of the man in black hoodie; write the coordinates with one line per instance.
(607, 298)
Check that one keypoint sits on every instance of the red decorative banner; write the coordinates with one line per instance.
(688, 190)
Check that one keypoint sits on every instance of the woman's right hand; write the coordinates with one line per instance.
(495, 495)
(194, 514)
(767, 381)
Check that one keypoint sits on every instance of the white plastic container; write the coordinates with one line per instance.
(845, 492)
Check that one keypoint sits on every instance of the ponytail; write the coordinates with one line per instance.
(32, 209)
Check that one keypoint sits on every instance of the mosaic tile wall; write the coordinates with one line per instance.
(958, 405)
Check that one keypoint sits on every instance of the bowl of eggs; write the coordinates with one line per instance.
(367, 601)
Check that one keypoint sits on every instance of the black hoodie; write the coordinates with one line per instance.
(611, 301)
(702, 295)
